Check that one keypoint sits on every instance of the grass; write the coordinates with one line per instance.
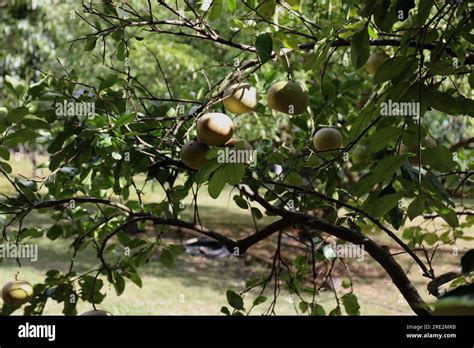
(197, 285)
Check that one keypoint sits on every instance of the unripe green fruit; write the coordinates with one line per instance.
(427, 142)
(327, 139)
(96, 313)
(240, 98)
(17, 293)
(193, 154)
(374, 62)
(215, 129)
(359, 154)
(289, 97)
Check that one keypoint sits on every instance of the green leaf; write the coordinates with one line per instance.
(319, 54)
(382, 137)
(234, 172)
(121, 51)
(133, 275)
(216, 10)
(217, 182)
(441, 68)
(4, 153)
(380, 206)
(439, 189)
(20, 136)
(259, 300)
(17, 114)
(388, 166)
(360, 50)
(232, 5)
(241, 203)
(391, 68)
(256, 213)
(439, 158)
(266, 9)
(235, 300)
(205, 171)
(416, 207)
(109, 81)
(424, 9)
(351, 304)
(6, 167)
(166, 258)
(14, 86)
(119, 283)
(317, 309)
(396, 217)
(124, 119)
(31, 233)
(55, 232)
(90, 287)
(430, 238)
(303, 305)
(448, 215)
(264, 46)
(467, 262)
(90, 43)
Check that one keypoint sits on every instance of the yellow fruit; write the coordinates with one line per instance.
(17, 293)
(427, 143)
(96, 313)
(359, 154)
(193, 154)
(374, 62)
(215, 129)
(289, 97)
(327, 139)
(240, 98)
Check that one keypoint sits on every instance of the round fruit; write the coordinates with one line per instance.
(427, 142)
(289, 97)
(327, 139)
(193, 154)
(17, 293)
(215, 129)
(374, 62)
(240, 98)
(359, 154)
(96, 313)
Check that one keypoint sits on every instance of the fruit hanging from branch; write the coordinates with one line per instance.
(240, 98)
(290, 97)
(327, 139)
(215, 129)
(375, 61)
(193, 154)
(17, 293)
